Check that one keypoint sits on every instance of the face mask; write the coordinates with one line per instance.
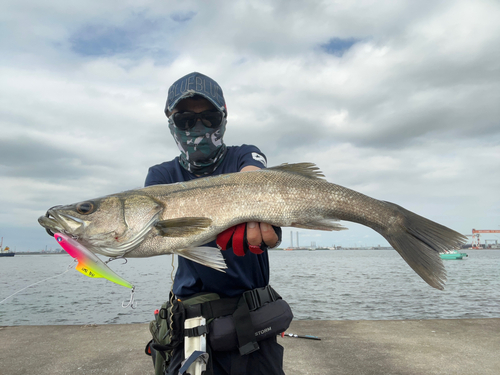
(202, 148)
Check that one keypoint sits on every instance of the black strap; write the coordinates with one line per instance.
(213, 309)
(195, 331)
(255, 298)
(244, 329)
(193, 357)
(163, 348)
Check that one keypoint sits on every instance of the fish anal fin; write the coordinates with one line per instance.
(207, 256)
(309, 170)
(183, 226)
(320, 224)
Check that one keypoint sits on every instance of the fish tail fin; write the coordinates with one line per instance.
(207, 256)
(419, 241)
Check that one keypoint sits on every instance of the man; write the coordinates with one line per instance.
(197, 117)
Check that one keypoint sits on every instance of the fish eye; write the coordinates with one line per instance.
(85, 208)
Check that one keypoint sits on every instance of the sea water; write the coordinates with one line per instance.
(327, 285)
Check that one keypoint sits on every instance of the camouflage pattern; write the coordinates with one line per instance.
(202, 148)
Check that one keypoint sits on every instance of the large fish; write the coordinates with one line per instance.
(179, 218)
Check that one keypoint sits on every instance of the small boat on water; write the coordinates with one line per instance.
(5, 251)
(453, 255)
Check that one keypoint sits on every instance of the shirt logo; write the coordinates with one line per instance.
(259, 158)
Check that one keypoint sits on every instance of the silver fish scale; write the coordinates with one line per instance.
(291, 198)
(273, 196)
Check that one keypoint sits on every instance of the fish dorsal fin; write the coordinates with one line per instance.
(182, 226)
(309, 170)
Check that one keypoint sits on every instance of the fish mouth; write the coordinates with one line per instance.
(54, 221)
(58, 220)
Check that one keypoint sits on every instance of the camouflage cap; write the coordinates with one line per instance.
(195, 84)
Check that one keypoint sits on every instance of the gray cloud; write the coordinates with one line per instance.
(36, 159)
(398, 101)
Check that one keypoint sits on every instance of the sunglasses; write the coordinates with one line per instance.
(187, 120)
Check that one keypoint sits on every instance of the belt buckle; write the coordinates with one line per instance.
(252, 299)
(255, 298)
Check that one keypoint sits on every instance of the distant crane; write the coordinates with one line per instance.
(476, 243)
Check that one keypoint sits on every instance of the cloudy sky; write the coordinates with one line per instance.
(398, 100)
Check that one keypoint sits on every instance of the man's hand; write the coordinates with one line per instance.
(249, 236)
(258, 233)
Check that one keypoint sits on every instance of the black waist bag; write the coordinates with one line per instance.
(268, 321)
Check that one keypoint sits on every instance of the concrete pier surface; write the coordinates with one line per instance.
(404, 347)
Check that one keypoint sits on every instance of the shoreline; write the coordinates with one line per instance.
(279, 249)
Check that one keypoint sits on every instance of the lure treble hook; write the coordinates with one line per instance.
(132, 303)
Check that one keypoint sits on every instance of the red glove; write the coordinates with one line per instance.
(236, 237)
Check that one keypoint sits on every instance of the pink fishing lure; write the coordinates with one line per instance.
(88, 263)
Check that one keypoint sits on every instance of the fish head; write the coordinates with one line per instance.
(111, 225)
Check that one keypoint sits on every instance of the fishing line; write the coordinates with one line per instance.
(38, 282)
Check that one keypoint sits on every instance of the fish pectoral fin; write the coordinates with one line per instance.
(320, 224)
(182, 226)
(207, 256)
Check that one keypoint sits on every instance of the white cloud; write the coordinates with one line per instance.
(409, 113)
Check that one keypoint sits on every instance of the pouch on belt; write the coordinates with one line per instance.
(268, 321)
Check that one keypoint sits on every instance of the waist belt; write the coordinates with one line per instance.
(239, 307)
(254, 299)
